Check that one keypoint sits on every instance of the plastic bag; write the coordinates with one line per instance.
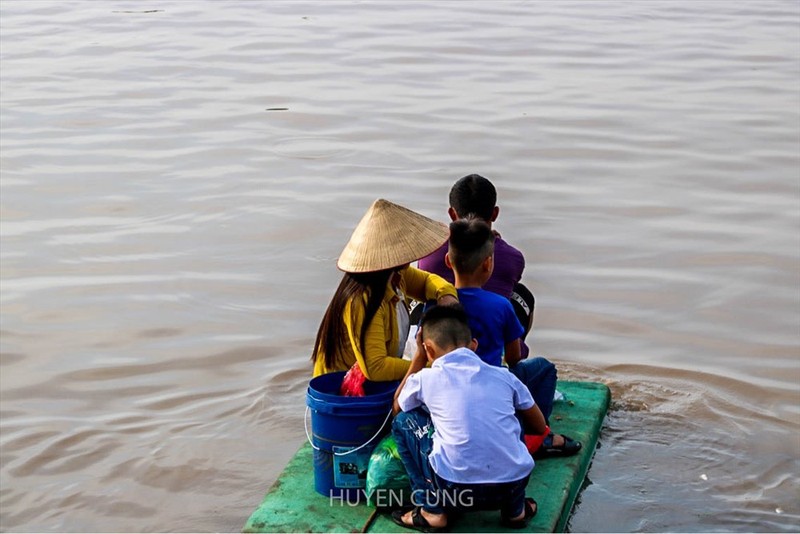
(388, 485)
(353, 382)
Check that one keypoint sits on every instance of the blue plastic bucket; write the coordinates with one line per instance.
(344, 430)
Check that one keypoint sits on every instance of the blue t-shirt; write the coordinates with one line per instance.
(492, 321)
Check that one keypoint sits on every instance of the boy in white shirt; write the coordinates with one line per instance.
(467, 454)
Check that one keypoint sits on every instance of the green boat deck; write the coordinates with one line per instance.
(292, 505)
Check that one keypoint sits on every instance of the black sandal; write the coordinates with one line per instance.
(548, 450)
(531, 507)
(418, 521)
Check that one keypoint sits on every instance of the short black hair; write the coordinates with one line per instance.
(471, 242)
(473, 195)
(447, 326)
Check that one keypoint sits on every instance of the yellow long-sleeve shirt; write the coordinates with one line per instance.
(378, 359)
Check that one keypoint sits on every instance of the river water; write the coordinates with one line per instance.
(178, 178)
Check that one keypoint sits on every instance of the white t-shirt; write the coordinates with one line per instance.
(476, 437)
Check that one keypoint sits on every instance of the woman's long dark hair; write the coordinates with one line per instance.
(332, 335)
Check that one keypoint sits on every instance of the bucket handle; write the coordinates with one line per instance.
(308, 436)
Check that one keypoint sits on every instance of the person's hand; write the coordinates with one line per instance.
(447, 300)
(418, 339)
(420, 358)
(419, 353)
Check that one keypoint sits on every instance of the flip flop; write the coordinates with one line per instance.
(417, 519)
(531, 507)
(548, 450)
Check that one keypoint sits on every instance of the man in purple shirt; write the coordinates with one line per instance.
(475, 195)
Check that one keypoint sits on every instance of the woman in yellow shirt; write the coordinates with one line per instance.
(367, 319)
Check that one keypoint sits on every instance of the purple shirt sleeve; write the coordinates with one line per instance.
(508, 266)
(434, 263)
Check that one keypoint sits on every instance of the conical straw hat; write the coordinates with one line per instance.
(388, 236)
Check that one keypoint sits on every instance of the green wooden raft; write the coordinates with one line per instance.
(292, 505)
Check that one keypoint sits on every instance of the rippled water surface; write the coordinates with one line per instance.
(179, 177)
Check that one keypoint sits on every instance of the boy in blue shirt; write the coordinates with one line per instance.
(464, 452)
(492, 320)
(496, 327)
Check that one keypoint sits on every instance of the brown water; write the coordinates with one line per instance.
(168, 241)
